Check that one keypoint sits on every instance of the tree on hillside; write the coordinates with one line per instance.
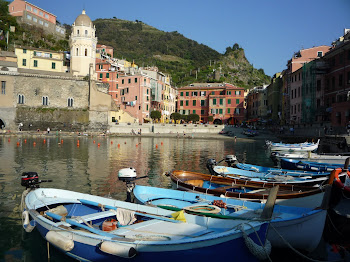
(6, 21)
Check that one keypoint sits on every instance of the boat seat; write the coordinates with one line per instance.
(195, 182)
(94, 216)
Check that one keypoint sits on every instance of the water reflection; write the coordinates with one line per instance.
(91, 165)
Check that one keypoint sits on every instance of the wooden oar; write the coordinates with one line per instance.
(75, 223)
(96, 204)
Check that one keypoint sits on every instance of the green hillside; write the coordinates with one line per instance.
(184, 59)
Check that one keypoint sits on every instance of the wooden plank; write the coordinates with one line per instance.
(164, 218)
(270, 203)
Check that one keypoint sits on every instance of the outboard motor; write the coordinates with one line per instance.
(128, 176)
(210, 165)
(231, 160)
(274, 158)
(31, 180)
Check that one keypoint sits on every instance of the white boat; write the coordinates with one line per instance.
(302, 156)
(93, 228)
(296, 226)
(301, 147)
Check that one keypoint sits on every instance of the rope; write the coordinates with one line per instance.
(262, 252)
(299, 253)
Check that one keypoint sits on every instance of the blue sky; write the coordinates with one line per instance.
(270, 31)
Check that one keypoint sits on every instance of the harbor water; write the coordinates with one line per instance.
(90, 165)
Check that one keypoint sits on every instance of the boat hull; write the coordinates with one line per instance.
(300, 227)
(304, 233)
(174, 247)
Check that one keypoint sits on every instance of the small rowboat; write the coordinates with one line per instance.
(300, 227)
(303, 156)
(306, 146)
(92, 228)
(291, 195)
(308, 165)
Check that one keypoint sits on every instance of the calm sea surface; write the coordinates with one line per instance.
(92, 167)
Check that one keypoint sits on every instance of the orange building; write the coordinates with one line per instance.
(224, 102)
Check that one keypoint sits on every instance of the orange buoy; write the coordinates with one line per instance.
(161, 143)
(25, 140)
(34, 143)
(61, 141)
(125, 143)
(9, 140)
(17, 143)
(112, 142)
(98, 144)
(94, 142)
(44, 141)
(137, 145)
(156, 146)
(118, 145)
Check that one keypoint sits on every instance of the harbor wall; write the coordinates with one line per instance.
(148, 128)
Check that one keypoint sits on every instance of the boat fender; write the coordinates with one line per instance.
(117, 249)
(28, 225)
(339, 183)
(260, 252)
(60, 241)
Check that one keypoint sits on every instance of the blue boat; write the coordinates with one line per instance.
(294, 178)
(282, 171)
(92, 228)
(298, 226)
(308, 165)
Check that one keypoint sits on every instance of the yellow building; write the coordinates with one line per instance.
(40, 59)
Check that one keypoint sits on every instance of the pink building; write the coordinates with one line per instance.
(28, 13)
(135, 96)
(295, 79)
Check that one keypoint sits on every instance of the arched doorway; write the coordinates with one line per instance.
(2, 124)
(217, 122)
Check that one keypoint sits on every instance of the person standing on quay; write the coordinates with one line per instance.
(48, 130)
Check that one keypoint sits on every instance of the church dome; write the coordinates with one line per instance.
(83, 20)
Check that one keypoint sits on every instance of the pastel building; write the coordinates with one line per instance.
(337, 82)
(294, 79)
(135, 96)
(224, 102)
(42, 60)
(28, 13)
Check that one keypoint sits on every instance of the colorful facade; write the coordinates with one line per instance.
(224, 102)
(40, 59)
(36, 16)
(337, 82)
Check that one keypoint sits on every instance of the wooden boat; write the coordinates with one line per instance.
(286, 178)
(302, 156)
(308, 165)
(304, 147)
(93, 228)
(291, 195)
(300, 227)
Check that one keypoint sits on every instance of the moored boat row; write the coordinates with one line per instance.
(233, 207)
